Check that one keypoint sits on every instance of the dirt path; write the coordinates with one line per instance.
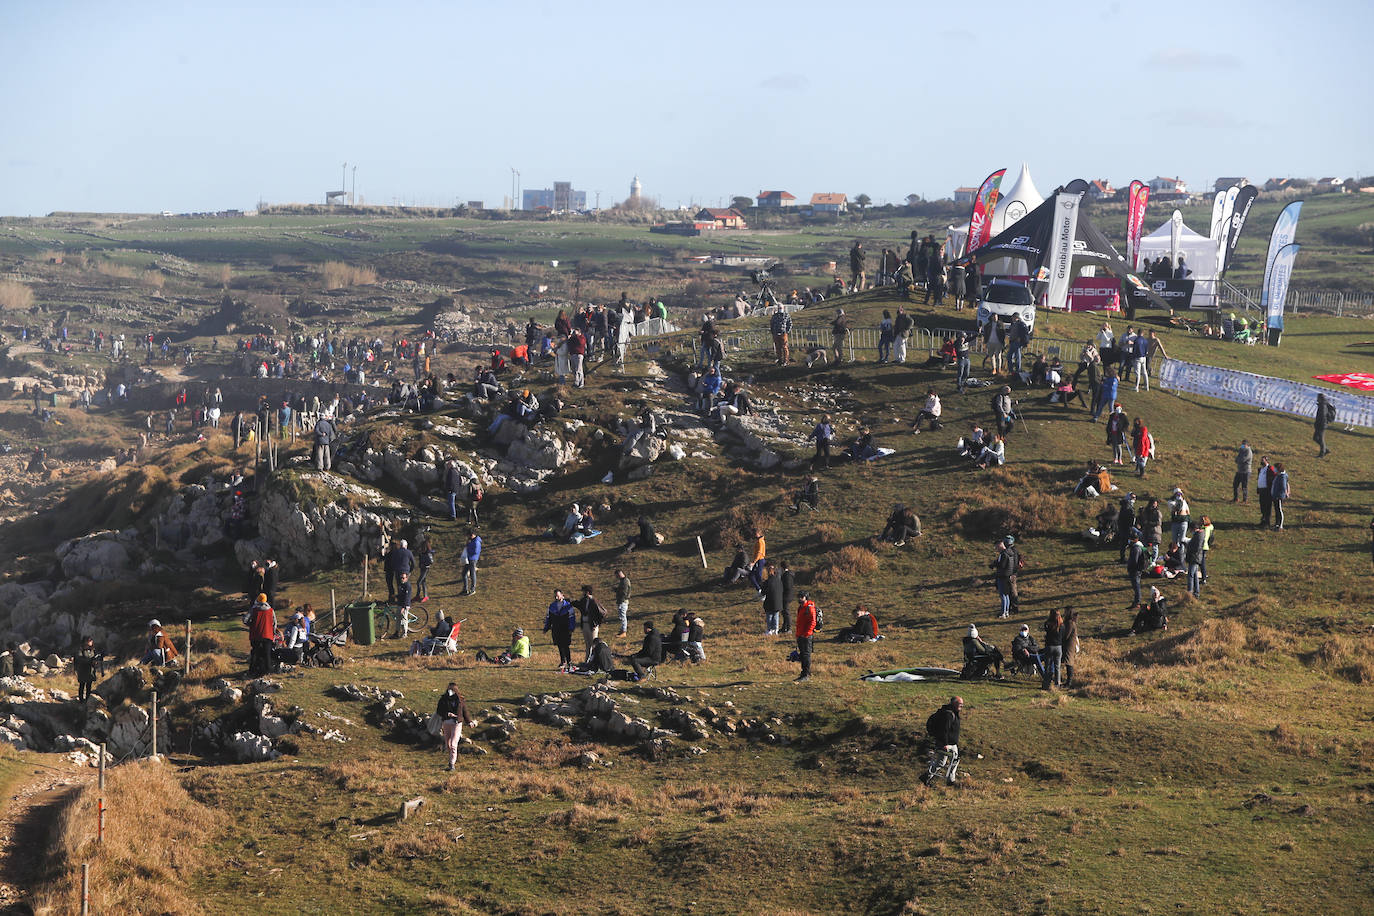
(26, 821)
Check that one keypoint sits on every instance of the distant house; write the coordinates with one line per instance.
(776, 199)
(1168, 186)
(683, 227)
(721, 219)
(1278, 184)
(1100, 190)
(965, 195)
(829, 203)
(1226, 184)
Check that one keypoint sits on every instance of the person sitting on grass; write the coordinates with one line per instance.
(864, 628)
(571, 532)
(738, 568)
(519, 649)
(978, 655)
(1153, 616)
(160, 651)
(971, 446)
(599, 659)
(809, 495)
(862, 448)
(902, 525)
(707, 389)
(645, 538)
(931, 412)
(994, 453)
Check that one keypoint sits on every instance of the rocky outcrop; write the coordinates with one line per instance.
(339, 518)
(102, 556)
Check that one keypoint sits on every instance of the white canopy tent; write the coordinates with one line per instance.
(1199, 255)
(1013, 203)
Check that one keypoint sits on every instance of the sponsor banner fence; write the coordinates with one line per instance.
(1095, 294)
(1278, 394)
(1178, 293)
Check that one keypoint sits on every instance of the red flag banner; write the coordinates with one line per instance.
(1135, 221)
(980, 222)
(1361, 380)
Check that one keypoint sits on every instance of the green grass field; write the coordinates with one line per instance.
(1223, 766)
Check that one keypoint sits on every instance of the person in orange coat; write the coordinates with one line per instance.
(262, 633)
(805, 625)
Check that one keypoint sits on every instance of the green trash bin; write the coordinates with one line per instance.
(54, 399)
(362, 614)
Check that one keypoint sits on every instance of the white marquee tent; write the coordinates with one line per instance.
(1013, 203)
(1199, 254)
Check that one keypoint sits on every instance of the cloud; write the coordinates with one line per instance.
(1201, 119)
(1191, 59)
(784, 82)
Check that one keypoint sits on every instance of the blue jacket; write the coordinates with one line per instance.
(710, 383)
(562, 616)
(473, 548)
(1108, 394)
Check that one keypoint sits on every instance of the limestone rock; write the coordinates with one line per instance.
(103, 556)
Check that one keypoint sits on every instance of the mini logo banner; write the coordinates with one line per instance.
(1361, 380)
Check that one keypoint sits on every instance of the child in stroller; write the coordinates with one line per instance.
(317, 650)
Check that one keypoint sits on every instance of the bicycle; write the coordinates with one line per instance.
(389, 618)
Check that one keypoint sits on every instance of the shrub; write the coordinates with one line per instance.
(15, 295)
(1210, 640)
(991, 512)
(846, 563)
(829, 533)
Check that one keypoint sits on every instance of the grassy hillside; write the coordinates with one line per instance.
(1224, 765)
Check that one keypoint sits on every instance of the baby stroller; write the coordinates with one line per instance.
(320, 651)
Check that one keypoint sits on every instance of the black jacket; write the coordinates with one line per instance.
(773, 595)
(601, 659)
(622, 589)
(1136, 558)
(451, 706)
(946, 725)
(652, 649)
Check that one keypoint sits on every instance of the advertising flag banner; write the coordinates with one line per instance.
(1276, 284)
(1060, 254)
(1175, 233)
(1219, 231)
(1218, 207)
(980, 221)
(1285, 232)
(1135, 221)
(1278, 394)
(1244, 200)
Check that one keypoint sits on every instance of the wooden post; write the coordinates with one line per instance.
(188, 649)
(154, 753)
(364, 575)
(85, 888)
(333, 610)
(701, 550)
(100, 801)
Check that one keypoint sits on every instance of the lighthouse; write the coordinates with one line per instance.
(635, 189)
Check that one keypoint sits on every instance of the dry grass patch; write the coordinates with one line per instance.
(1208, 641)
(1004, 506)
(846, 563)
(828, 533)
(15, 295)
(156, 838)
(337, 275)
(1347, 657)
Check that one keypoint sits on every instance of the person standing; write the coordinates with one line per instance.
(262, 632)
(1117, 431)
(789, 591)
(1106, 396)
(823, 434)
(1326, 412)
(1192, 557)
(954, 282)
(885, 337)
(86, 660)
(453, 483)
(425, 560)
(1140, 350)
(772, 600)
(1240, 481)
(577, 354)
(452, 713)
(756, 564)
(963, 348)
(1053, 650)
(472, 552)
(1125, 524)
(1071, 647)
(559, 623)
(1137, 560)
(943, 728)
(593, 616)
(806, 632)
(1278, 493)
(858, 276)
(1143, 444)
(973, 285)
(1206, 528)
(1179, 517)
(901, 330)
(1264, 482)
(622, 602)
(325, 434)
(780, 326)
(1004, 566)
(839, 334)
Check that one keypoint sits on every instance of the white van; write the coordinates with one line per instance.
(1005, 299)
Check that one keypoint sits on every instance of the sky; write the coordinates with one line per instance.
(145, 106)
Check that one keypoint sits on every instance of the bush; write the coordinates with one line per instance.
(1209, 641)
(829, 533)
(993, 511)
(847, 563)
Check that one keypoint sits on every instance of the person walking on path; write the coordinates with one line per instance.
(472, 552)
(1240, 481)
(452, 714)
(806, 632)
(1279, 492)
(1326, 412)
(943, 728)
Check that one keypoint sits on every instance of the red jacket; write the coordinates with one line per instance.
(263, 623)
(805, 623)
(577, 344)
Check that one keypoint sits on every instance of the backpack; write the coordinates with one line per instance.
(475, 493)
(1330, 412)
(820, 617)
(935, 724)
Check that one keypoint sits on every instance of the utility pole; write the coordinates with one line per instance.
(343, 178)
(353, 194)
